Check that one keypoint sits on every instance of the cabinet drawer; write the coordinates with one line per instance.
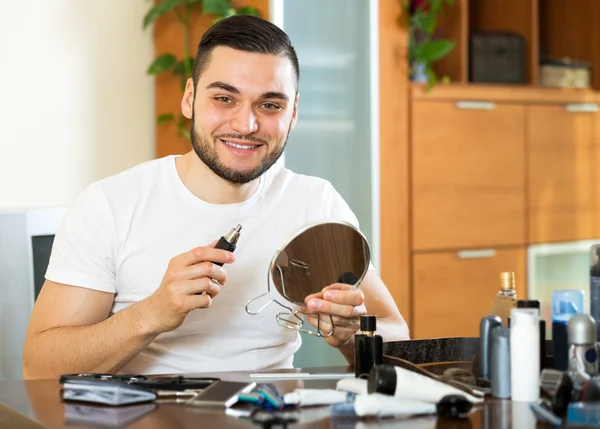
(468, 175)
(562, 174)
(452, 291)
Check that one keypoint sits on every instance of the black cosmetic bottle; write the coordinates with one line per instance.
(368, 347)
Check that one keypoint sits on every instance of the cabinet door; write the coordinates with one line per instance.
(561, 166)
(468, 175)
(454, 290)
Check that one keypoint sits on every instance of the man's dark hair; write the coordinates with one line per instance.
(245, 33)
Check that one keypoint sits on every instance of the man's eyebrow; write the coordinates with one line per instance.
(224, 86)
(275, 95)
(230, 88)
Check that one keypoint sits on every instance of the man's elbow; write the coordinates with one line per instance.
(398, 330)
(31, 368)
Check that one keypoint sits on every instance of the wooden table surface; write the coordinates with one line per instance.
(37, 404)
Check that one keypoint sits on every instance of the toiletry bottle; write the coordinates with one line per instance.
(368, 347)
(583, 351)
(486, 325)
(505, 299)
(534, 303)
(500, 362)
(565, 303)
(524, 355)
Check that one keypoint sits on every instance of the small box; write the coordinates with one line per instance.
(497, 57)
(565, 74)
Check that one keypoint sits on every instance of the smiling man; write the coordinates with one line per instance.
(133, 284)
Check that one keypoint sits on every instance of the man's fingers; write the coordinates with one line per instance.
(201, 254)
(205, 284)
(346, 297)
(334, 309)
(198, 301)
(337, 286)
(197, 271)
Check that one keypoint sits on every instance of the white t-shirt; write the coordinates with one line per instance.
(122, 231)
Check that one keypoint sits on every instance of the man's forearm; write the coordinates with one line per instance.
(389, 329)
(104, 347)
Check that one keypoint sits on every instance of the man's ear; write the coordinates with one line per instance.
(187, 101)
(295, 113)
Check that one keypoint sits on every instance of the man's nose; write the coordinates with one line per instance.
(244, 121)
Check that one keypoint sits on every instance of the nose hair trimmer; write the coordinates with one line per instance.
(228, 241)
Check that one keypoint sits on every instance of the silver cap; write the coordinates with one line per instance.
(581, 329)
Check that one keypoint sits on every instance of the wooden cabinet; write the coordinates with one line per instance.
(454, 290)
(563, 172)
(467, 174)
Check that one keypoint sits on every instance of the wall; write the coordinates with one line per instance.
(76, 103)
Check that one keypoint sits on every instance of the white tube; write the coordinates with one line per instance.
(305, 397)
(524, 355)
(377, 404)
(354, 385)
(411, 385)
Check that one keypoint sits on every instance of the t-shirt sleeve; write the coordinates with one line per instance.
(335, 207)
(83, 249)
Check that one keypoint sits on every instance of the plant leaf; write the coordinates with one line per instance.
(182, 129)
(216, 7)
(161, 64)
(179, 68)
(182, 83)
(165, 117)
(248, 10)
(435, 50)
(159, 10)
(424, 21)
(431, 78)
(436, 6)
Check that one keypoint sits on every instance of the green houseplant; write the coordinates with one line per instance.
(425, 46)
(181, 68)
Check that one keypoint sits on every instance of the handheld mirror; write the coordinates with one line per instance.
(315, 257)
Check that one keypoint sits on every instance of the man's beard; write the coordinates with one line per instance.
(207, 153)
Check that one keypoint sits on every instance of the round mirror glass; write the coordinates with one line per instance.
(319, 256)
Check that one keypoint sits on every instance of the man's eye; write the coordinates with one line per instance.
(223, 99)
(272, 106)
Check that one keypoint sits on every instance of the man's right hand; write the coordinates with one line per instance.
(181, 290)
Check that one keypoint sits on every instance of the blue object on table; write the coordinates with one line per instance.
(584, 413)
(565, 303)
(272, 398)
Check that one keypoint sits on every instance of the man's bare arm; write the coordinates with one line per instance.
(346, 306)
(70, 332)
(379, 302)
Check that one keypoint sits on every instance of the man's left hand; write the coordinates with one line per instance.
(344, 305)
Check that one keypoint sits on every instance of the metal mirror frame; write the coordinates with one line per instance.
(292, 319)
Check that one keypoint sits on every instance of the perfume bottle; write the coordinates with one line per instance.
(506, 298)
(368, 347)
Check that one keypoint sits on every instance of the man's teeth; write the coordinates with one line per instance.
(239, 146)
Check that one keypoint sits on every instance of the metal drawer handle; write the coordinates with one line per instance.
(581, 107)
(476, 105)
(473, 254)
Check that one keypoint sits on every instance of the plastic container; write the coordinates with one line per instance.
(565, 303)
(524, 355)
